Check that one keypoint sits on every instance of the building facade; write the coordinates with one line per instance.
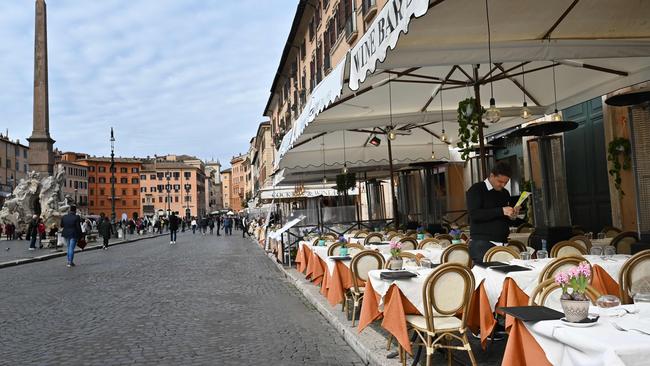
(13, 165)
(321, 34)
(127, 186)
(240, 182)
(226, 187)
(262, 157)
(214, 194)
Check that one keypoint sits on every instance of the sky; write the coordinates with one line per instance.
(171, 76)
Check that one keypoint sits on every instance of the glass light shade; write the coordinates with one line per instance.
(556, 116)
(345, 169)
(525, 112)
(324, 180)
(392, 135)
(433, 155)
(493, 114)
(443, 137)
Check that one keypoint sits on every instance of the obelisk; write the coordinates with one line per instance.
(41, 155)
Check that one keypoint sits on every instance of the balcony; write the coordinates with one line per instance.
(351, 28)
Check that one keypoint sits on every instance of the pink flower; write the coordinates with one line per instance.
(574, 272)
(395, 245)
(584, 269)
(561, 278)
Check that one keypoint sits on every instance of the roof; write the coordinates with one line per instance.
(228, 171)
(103, 159)
(300, 9)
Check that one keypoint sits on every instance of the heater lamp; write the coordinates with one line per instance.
(375, 141)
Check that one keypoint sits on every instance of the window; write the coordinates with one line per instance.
(102, 180)
(17, 149)
(176, 199)
(187, 175)
(76, 184)
(135, 202)
(101, 203)
(153, 189)
(25, 167)
(143, 189)
(92, 191)
(135, 170)
(102, 192)
(152, 176)
(143, 200)
(135, 192)
(160, 199)
(124, 180)
(303, 49)
(143, 177)
(177, 187)
(92, 203)
(91, 169)
(17, 166)
(113, 180)
(25, 153)
(124, 170)
(101, 169)
(176, 175)
(123, 202)
(135, 181)
(124, 192)
(91, 179)
(312, 28)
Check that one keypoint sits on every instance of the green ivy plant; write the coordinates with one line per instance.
(618, 147)
(345, 181)
(468, 122)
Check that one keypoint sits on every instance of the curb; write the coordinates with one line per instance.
(45, 257)
(370, 345)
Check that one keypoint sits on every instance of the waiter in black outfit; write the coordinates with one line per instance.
(489, 212)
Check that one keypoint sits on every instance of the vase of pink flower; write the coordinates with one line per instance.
(395, 261)
(575, 303)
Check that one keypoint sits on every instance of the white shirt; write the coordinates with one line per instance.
(488, 184)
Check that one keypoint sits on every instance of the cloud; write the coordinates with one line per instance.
(172, 76)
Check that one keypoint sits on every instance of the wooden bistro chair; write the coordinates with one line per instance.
(567, 248)
(557, 265)
(334, 249)
(355, 248)
(541, 293)
(501, 254)
(457, 253)
(583, 241)
(373, 238)
(331, 235)
(611, 231)
(447, 292)
(408, 243)
(623, 242)
(362, 263)
(517, 245)
(361, 234)
(635, 276)
(390, 233)
(429, 243)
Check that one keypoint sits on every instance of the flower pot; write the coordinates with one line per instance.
(396, 263)
(420, 236)
(321, 243)
(456, 241)
(575, 310)
(343, 251)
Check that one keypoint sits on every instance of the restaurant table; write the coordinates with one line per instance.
(552, 342)
(393, 300)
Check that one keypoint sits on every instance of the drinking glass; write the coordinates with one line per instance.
(589, 235)
(525, 255)
(609, 252)
(426, 263)
(542, 254)
(596, 251)
(601, 236)
(608, 306)
(641, 297)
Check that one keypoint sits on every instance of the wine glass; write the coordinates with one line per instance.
(542, 254)
(589, 235)
(525, 255)
(601, 236)
(426, 263)
(596, 251)
(609, 252)
(607, 304)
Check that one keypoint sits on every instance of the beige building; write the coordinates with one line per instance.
(75, 182)
(321, 34)
(240, 182)
(226, 178)
(13, 165)
(262, 156)
(213, 188)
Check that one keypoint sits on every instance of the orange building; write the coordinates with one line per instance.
(127, 186)
(240, 182)
(226, 177)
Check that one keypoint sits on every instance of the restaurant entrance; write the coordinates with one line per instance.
(586, 167)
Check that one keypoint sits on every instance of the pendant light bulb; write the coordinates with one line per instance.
(433, 155)
(443, 136)
(392, 135)
(525, 112)
(324, 180)
(345, 169)
(493, 114)
(556, 116)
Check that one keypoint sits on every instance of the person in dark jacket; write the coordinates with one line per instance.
(489, 212)
(71, 232)
(173, 227)
(104, 229)
(32, 232)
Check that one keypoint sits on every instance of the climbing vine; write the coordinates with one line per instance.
(617, 148)
(468, 123)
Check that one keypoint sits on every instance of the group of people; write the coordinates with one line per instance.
(207, 224)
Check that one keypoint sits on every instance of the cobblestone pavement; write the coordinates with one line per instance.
(205, 301)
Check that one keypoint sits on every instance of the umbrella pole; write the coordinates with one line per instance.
(392, 183)
(481, 145)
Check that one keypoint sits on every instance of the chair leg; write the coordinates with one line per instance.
(354, 311)
(448, 351)
(469, 350)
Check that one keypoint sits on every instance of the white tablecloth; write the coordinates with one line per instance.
(601, 344)
(411, 288)
(527, 280)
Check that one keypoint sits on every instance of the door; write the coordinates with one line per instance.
(586, 167)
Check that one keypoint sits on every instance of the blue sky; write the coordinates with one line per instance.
(172, 76)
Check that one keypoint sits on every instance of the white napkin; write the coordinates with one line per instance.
(629, 323)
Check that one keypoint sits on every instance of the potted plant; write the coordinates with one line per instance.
(420, 233)
(395, 259)
(343, 250)
(575, 303)
(455, 236)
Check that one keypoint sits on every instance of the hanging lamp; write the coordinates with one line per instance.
(525, 112)
(556, 116)
(443, 136)
(345, 160)
(492, 114)
(391, 132)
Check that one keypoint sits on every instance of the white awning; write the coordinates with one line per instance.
(277, 233)
(310, 191)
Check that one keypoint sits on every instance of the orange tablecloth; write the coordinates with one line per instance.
(302, 258)
(316, 268)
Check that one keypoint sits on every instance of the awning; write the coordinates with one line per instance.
(309, 192)
(277, 233)
(324, 94)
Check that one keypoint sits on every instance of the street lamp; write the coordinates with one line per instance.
(187, 187)
(113, 180)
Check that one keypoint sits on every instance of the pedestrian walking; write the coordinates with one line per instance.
(211, 225)
(244, 227)
(218, 219)
(104, 229)
(32, 232)
(173, 228)
(193, 226)
(227, 225)
(71, 231)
